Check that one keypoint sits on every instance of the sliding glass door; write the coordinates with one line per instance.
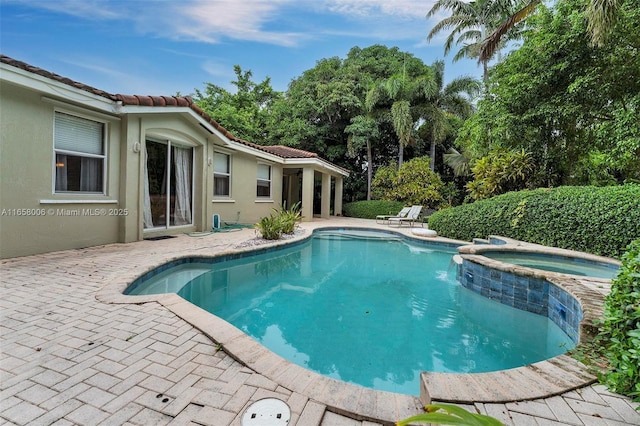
(168, 193)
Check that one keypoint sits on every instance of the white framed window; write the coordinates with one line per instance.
(80, 160)
(264, 181)
(221, 175)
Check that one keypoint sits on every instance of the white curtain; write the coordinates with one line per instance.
(90, 174)
(182, 163)
(146, 213)
(61, 172)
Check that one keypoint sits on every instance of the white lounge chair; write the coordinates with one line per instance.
(382, 218)
(412, 217)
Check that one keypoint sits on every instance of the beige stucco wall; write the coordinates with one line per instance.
(243, 206)
(35, 219)
(29, 223)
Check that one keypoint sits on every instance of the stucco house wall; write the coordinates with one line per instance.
(34, 219)
(37, 218)
(243, 205)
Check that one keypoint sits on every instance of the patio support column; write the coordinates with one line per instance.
(337, 200)
(131, 164)
(307, 194)
(325, 204)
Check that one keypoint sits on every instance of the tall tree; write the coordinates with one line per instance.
(402, 93)
(244, 113)
(570, 104)
(363, 131)
(446, 100)
(601, 16)
(470, 22)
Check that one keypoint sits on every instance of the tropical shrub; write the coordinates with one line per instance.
(413, 184)
(289, 218)
(499, 172)
(270, 227)
(371, 209)
(279, 222)
(599, 220)
(620, 330)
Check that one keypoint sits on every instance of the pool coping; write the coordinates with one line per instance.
(543, 379)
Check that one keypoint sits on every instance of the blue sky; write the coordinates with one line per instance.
(164, 47)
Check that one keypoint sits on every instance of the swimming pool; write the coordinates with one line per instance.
(368, 308)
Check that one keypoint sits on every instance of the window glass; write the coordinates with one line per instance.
(221, 175)
(79, 154)
(264, 180)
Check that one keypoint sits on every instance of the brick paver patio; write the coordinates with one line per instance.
(69, 358)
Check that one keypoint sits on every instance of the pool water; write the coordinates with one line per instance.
(375, 311)
(554, 263)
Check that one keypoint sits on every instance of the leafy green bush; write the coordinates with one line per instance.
(413, 184)
(270, 227)
(620, 330)
(290, 217)
(371, 209)
(499, 172)
(279, 222)
(599, 220)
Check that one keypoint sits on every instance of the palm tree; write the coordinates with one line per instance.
(469, 23)
(446, 101)
(362, 131)
(601, 16)
(404, 93)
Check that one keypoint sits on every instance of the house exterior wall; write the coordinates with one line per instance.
(34, 219)
(243, 205)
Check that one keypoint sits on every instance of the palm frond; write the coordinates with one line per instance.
(465, 84)
(601, 17)
(402, 121)
(467, 51)
(457, 22)
(458, 161)
(492, 42)
(446, 5)
(473, 36)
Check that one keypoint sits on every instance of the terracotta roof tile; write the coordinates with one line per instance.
(161, 101)
(289, 152)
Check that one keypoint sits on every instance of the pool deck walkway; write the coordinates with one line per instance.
(72, 353)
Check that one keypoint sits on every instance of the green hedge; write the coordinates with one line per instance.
(599, 220)
(370, 209)
(620, 330)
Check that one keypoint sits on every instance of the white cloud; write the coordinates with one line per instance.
(132, 80)
(385, 20)
(209, 21)
(86, 9)
(368, 8)
(217, 69)
(214, 21)
(93, 64)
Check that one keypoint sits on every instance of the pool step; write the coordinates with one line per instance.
(540, 380)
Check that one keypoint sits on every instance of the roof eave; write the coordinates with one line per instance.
(318, 163)
(56, 89)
